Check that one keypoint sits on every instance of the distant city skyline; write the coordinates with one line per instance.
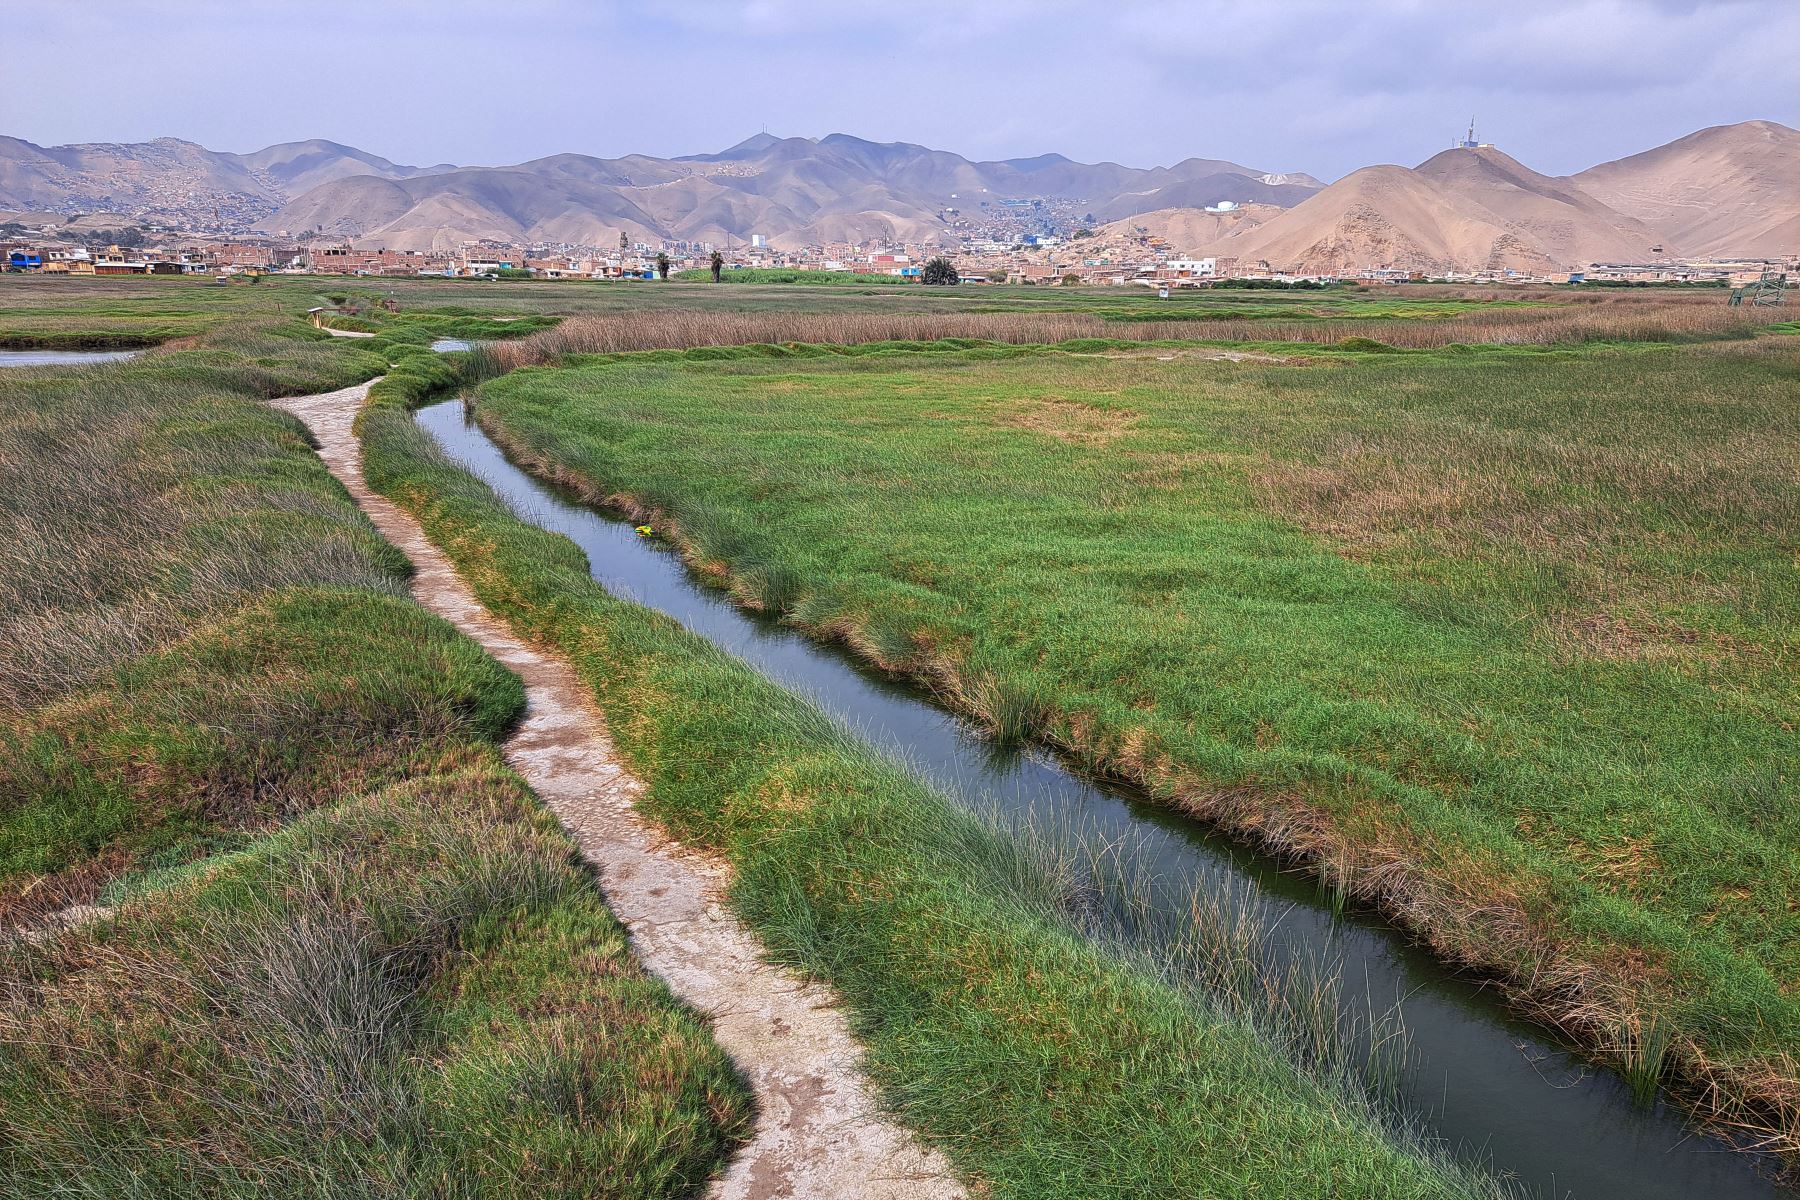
(1309, 85)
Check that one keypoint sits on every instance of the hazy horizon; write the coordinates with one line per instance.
(1307, 86)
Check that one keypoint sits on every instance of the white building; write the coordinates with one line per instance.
(1193, 268)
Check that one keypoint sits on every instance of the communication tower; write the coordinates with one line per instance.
(1468, 141)
(1767, 292)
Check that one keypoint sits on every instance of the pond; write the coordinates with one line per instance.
(63, 358)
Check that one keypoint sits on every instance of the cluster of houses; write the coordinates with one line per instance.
(229, 258)
(1140, 260)
(476, 260)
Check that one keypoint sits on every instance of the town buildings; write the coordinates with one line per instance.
(1020, 241)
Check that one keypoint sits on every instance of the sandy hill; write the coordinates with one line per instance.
(291, 168)
(1207, 191)
(1463, 210)
(1730, 189)
(1551, 216)
(1383, 216)
(138, 177)
(1189, 230)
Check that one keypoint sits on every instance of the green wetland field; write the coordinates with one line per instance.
(344, 950)
(1478, 607)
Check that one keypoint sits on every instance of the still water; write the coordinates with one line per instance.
(62, 358)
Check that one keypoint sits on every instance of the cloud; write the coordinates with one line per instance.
(1317, 85)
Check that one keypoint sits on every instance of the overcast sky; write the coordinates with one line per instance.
(1323, 86)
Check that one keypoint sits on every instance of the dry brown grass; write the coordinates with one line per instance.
(1069, 420)
(1664, 317)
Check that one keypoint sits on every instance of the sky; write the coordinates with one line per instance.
(1322, 86)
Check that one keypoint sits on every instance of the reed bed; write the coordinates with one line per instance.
(416, 992)
(1633, 319)
(138, 502)
(275, 918)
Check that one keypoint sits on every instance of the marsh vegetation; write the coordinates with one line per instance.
(1477, 605)
(1495, 637)
(275, 915)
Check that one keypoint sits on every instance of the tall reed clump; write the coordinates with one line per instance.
(1012, 711)
(411, 991)
(1643, 1050)
(143, 496)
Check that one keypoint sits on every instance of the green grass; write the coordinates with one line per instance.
(1043, 1064)
(145, 496)
(347, 953)
(282, 704)
(1506, 634)
(424, 326)
(411, 992)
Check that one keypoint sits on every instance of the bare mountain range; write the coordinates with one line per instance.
(1729, 189)
(170, 180)
(793, 190)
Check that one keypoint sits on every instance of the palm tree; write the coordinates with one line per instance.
(939, 272)
(718, 265)
(662, 265)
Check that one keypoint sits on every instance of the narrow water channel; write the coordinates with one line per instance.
(62, 358)
(1486, 1082)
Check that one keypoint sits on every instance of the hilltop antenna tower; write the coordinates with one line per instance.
(1469, 142)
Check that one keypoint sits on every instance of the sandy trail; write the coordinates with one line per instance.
(818, 1133)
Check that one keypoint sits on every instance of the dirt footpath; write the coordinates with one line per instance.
(818, 1134)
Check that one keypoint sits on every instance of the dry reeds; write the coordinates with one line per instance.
(1616, 318)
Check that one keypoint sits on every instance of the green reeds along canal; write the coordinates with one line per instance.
(1342, 992)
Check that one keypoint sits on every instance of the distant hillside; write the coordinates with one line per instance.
(291, 168)
(1479, 209)
(1377, 217)
(1730, 189)
(795, 191)
(792, 190)
(171, 179)
(1190, 229)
